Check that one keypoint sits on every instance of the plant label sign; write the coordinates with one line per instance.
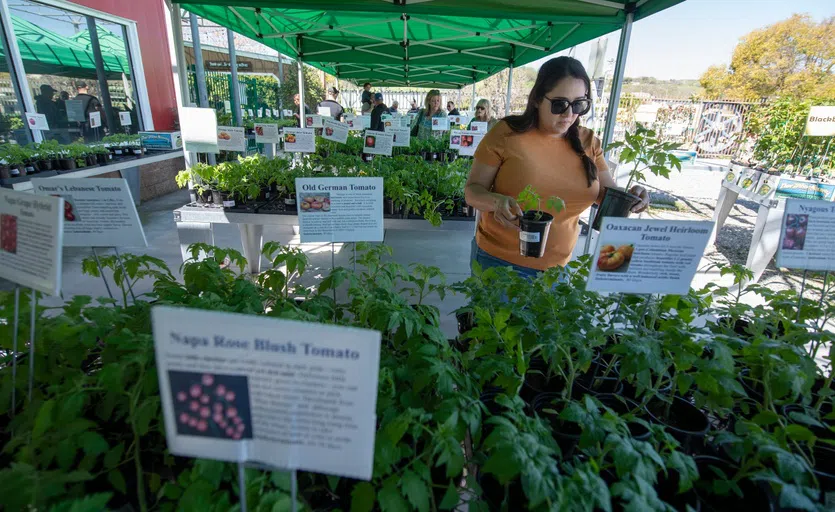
(299, 140)
(377, 143)
(124, 119)
(288, 112)
(276, 113)
(266, 133)
(478, 126)
(75, 111)
(455, 139)
(198, 128)
(249, 112)
(766, 189)
(749, 180)
(95, 119)
(402, 136)
(323, 111)
(821, 122)
(288, 394)
(31, 230)
(37, 121)
(340, 209)
(469, 143)
(260, 112)
(227, 106)
(648, 256)
(440, 124)
(98, 212)
(455, 120)
(312, 121)
(335, 131)
(806, 235)
(805, 189)
(231, 138)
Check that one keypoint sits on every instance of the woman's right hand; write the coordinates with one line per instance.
(507, 212)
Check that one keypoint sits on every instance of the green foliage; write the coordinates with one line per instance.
(529, 199)
(646, 152)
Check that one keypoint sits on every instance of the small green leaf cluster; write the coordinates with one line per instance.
(644, 151)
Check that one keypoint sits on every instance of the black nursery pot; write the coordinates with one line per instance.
(685, 422)
(566, 433)
(534, 233)
(615, 203)
(103, 158)
(367, 158)
(45, 165)
(224, 199)
(67, 164)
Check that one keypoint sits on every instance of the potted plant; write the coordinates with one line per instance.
(535, 223)
(644, 152)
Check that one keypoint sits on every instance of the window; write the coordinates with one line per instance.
(12, 124)
(77, 67)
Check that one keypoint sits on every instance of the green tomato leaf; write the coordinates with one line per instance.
(415, 489)
(117, 480)
(390, 498)
(43, 421)
(451, 498)
(362, 497)
(93, 443)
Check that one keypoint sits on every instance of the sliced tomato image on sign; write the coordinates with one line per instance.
(8, 233)
(610, 261)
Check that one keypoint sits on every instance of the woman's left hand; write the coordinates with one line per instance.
(644, 195)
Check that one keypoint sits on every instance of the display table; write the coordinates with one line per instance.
(128, 167)
(770, 192)
(194, 225)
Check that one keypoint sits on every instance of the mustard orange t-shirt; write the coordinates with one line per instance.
(553, 168)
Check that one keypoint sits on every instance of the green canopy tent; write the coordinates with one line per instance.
(428, 43)
(46, 53)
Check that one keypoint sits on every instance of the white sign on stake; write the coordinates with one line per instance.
(198, 127)
(806, 235)
(227, 105)
(335, 131)
(75, 111)
(455, 139)
(340, 209)
(469, 143)
(288, 112)
(260, 113)
(377, 143)
(231, 138)
(299, 140)
(288, 394)
(440, 124)
(98, 212)
(454, 120)
(324, 111)
(648, 256)
(276, 113)
(821, 122)
(95, 119)
(266, 133)
(312, 121)
(478, 126)
(37, 121)
(402, 136)
(249, 112)
(124, 119)
(31, 229)
(365, 121)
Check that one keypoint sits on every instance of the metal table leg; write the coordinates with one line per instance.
(252, 238)
(131, 175)
(194, 232)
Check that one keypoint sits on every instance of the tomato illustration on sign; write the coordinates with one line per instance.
(610, 261)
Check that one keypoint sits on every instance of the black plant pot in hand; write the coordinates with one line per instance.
(615, 203)
(533, 236)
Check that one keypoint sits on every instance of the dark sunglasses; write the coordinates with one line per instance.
(560, 105)
(479, 108)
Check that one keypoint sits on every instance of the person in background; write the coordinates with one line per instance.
(45, 104)
(394, 105)
(422, 123)
(61, 103)
(297, 110)
(414, 108)
(484, 113)
(90, 104)
(544, 147)
(366, 98)
(331, 103)
(377, 112)
(451, 110)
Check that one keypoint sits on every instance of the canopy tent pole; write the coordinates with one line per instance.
(199, 72)
(301, 81)
(472, 102)
(14, 64)
(280, 81)
(617, 80)
(100, 75)
(236, 86)
(180, 69)
(509, 86)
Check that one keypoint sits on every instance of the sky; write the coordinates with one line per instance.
(682, 41)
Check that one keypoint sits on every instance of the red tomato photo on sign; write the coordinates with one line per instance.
(8, 233)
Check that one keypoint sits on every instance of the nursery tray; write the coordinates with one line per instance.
(9, 182)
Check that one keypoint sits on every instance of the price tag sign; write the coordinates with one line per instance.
(231, 138)
(377, 143)
(124, 119)
(95, 119)
(299, 140)
(267, 133)
(340, 209)
(806, 235)
(31, 233)
(293, 395)
(335, 131)
(647, 256)
(37, 121)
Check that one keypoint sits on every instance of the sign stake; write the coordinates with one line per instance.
(125, 274)
(34, 306)
(242, 486)
(800, 297)
(101, 271)
(294, 490)
(14, 344)
(645, 309)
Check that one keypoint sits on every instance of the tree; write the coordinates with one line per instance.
(495, 90)
(794, 58)
(313, 90)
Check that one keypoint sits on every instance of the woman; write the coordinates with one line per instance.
(483, 113)
(422, 123)
(544, 147)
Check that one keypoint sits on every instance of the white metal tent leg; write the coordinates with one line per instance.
(236, 86)
(724, 205)
(252, 238)
(617, 80)
(509, 86)
(301, 87)
(199, 70)
(472, 102)
(765, 239)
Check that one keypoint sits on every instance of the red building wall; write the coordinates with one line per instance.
(149, 16)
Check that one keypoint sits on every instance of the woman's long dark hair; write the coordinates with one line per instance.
(549, 74)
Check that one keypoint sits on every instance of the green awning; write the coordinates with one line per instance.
(420, 43)
(46, 53)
